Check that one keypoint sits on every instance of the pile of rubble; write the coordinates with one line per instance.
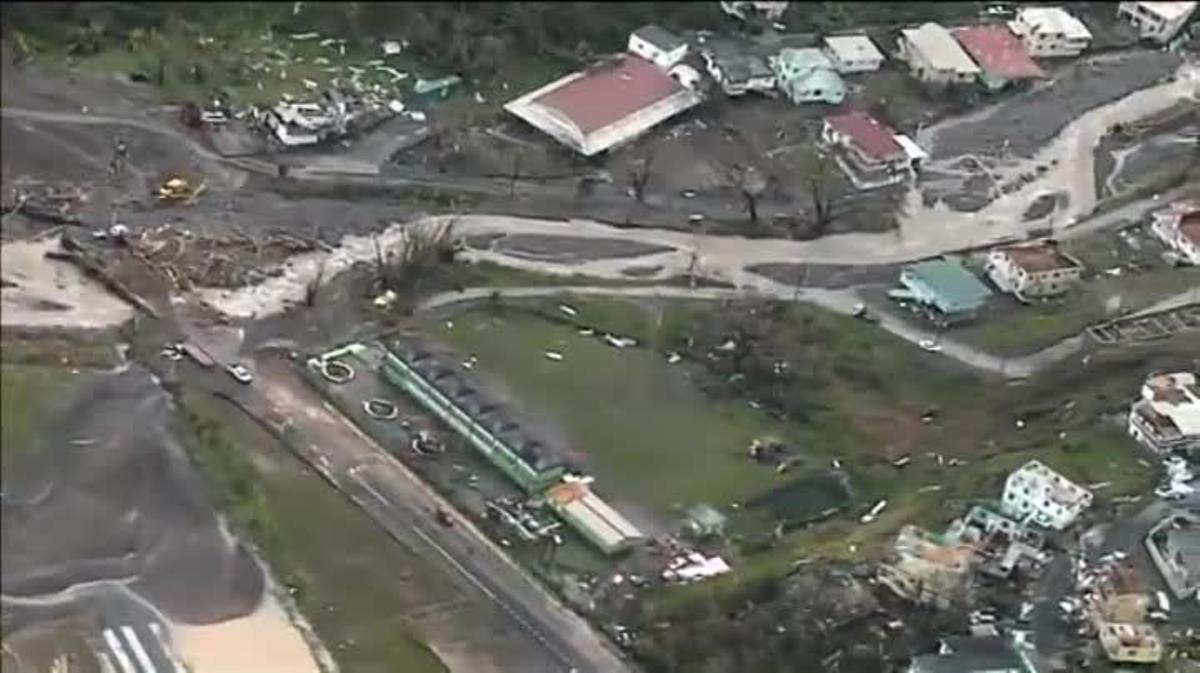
(1112, 604)
(57, 204)
(999, 541)
(187, 260)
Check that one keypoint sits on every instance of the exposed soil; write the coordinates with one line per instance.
(118, 502)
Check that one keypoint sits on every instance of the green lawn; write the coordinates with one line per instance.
(651, 437)
(646, 433)
(29, 395)
(356, 585)
(1025, 329)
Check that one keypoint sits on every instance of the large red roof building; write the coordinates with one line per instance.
(999, 53)
(605, 105)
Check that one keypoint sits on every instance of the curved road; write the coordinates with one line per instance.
(839, 301)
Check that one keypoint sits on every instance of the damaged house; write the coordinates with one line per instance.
(1037, 494)
(1004, 545)
(1118, 609)
(929, 569)
(736, 69)
(1167, 416)
(991, 654)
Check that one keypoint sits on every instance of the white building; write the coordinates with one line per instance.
(658, 45)
(1047, 32)
(1167, 417)
(298, 124)
(1178, 227)
(935, 57)
(1159, 21)
(769, 10)
(1035, 493)
(1030, 270)
(853, 53)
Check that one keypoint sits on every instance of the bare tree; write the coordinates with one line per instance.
(515, 173)
(819, 177)
(418, 255)
(639, 176)
(314, 286)
(750, 184)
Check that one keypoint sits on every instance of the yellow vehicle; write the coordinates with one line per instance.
(177, 189)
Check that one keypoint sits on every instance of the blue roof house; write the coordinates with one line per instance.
(944, 288)
(807, 76)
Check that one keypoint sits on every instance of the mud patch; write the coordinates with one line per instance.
(46, 293)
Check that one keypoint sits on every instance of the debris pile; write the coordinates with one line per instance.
(187, 260)
(57, 204)
(1116, 606)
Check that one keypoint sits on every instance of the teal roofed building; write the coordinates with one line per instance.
(807, 76)
(947, 291)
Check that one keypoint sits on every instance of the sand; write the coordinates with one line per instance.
(262, 642)
(51, 293)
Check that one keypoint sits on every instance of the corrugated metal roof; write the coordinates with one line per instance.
(606, 104)
(659, 37)
(998, 52)
(938, 47)
(957, 288)
(853, 47)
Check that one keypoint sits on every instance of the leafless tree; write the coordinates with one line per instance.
(419, 254)
(819, 177)
(314, 286)
(639, 175)
(515, 173)
(750, 184)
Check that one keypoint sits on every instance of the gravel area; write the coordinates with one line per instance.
(1029, 120)
(572, 249)
(828, 276)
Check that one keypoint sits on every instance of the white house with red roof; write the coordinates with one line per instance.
(868, 151)
(1030, 270)
(1178, 227)
(608, 104)
(1000, 55)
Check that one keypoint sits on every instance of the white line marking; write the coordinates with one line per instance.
(114, 646)
(139, 652)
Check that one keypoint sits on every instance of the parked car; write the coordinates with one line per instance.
(240, 373)
(930, 345)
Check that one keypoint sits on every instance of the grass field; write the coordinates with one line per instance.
(1025, 329)
(29, 395)
(356, 584)
(651, 437)
(635, 418)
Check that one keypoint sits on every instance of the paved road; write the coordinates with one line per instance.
(403, 505)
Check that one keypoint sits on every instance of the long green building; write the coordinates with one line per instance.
(443, 393)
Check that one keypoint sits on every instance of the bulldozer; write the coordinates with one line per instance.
(180, 190)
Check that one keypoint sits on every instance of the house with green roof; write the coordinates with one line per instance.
(947, 291)
(807, 76)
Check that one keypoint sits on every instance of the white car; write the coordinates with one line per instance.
(929, 345)
(240, 373)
